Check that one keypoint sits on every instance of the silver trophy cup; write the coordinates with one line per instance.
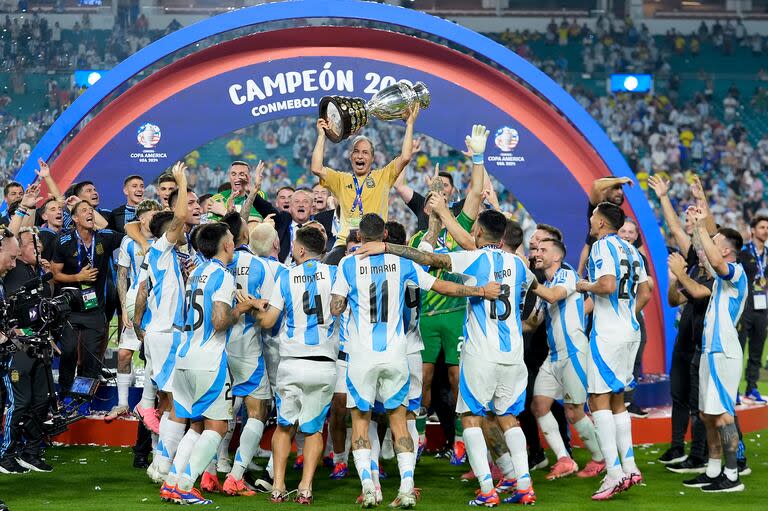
(346, 116)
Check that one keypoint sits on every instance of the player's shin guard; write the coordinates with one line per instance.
(515, 440)
(181, 460)
(123, 386)
(249, 442)
(362, 459)
(204, 451)
(406, 463)
(171, 434)
(586, 431)
(624, 441)
(477, 452)
(548, 425)
(605, 428)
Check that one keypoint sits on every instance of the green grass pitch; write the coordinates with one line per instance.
(99, 478)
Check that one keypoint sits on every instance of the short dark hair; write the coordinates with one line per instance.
(79, 187)
(613, 213)
(77, 206)
(372, 227)
(446, 175)
(224, 187)
(493, 223)
(41, 209)
(131, 178)
(209, 238)
(159, 223)
(395, 233)
(175, 195)
(12, 184)
(285, 188)
(204, 197)
(557, 243)
(513, 235)
(312, 239)
(166, 177)
(733, 237)
(553, 231)
(756, 220)
(234, 221)
(240, 162)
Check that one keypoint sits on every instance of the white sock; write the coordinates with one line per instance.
(123, 386)
(714, 466)
(271, 467)
(249, 442)
(505, 465)
(180, 461)
(223, 449)
(373, 437)
(406, 463)
(299, 444)
(362, 459)
(548, 425)
(411, 423)
(170, 434)
(731, 473)
(586, 431)
(148, 393)
(211, 468)
(341, 457)
(605, 428)
(155, 440)
(204, 451)
(624, 441)
(161, 451)
(515, 439)
(477, 452)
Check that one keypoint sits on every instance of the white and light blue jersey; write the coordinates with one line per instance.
(165, 288)
(131, 255)
(345, 333)
(411, 314)
(375, 288)
(204, 346)
(254, 277)
(275, 267)
(614, 314)
(303, 293)
(493, 329)
(729, 294)
(564, 319)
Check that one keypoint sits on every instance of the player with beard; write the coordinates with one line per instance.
(364, 190)
(133, 188)
(618, 283)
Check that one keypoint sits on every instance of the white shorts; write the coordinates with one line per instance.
(719, 379)
(563, 379)
(387, 383)
(201, 395)
(490, 387)
(129, 340)
(270, 350)
(341, 377)
(610, 364)
(162, 347)
(415, 368)
(304, 393)
(249, 377)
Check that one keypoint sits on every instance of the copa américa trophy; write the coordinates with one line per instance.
(346, 116)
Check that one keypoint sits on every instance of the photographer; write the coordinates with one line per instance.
(81, 259)
(22, 449)
(9, 250)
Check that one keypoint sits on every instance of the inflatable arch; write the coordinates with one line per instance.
(547, 148)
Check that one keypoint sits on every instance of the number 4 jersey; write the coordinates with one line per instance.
(303, 293)
(614, 314)
(493, 329)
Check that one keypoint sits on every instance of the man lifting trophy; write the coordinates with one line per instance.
(346, 116)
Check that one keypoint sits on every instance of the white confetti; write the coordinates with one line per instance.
(97, 488)
(682, 493)
(144, 499)
(651, 462)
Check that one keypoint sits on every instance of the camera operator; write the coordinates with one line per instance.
(21, 450)
(81, 259)
(9, 250)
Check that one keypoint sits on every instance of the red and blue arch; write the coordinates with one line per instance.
(561, 149)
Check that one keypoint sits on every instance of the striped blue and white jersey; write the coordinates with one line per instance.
(346, 330)
(254, 277)
(303, 293)
(204, 346)
(411, 314)
(375, 289)
(493, 329)
(564, 319)
(131, 255)
(614, 315)
(165, 288)
(729, 295)
(272, 335)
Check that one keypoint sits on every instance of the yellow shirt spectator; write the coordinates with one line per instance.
(235, 147)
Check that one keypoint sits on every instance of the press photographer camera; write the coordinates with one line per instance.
(31, 318)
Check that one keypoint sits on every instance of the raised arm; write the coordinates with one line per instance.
(420, 257)
(600, 186)
(258, 176)
(403, 190)
(697, 191)
(402, 160)
(175, 232)
(318, 153)
(446, 218)
(475, 150)
(711, 252)
(661, 187)
(45, 174)
(678, 267)
(674, 297)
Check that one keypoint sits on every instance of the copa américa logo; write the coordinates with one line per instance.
(506, 138)
(148, 135)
